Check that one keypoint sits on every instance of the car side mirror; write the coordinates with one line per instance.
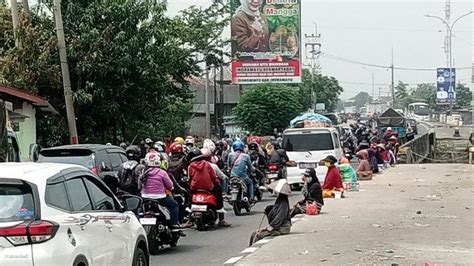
(34, 152)
(131, 202)
(104, 167)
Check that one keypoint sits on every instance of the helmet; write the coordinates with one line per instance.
(209, 144)
(176, 148)
(180, 140)
(152, 159)
(148, 141)
(238, 145)
(253, 146)
(133, 152)
(193, 154)
(206, 152)
(123, 145)
(189, 140)
(159, 146)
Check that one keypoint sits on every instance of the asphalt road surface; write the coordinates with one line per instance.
(215, 246)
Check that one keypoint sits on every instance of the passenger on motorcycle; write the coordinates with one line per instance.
(203, 177)
(178, 163)
(129, 171)
(240, 166)
(155, 183)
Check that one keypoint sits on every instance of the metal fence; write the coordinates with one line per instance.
(418, 149)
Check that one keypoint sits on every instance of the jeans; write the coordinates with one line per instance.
(250, 187)
(172, 206)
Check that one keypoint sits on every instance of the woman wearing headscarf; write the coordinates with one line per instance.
(311, 191)
(278, 214)
(250, 28)
(333, 181)
(349, 175)
(364, 171)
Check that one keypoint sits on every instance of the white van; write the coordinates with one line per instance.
(306, 147)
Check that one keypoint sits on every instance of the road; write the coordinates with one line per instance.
(215, 246)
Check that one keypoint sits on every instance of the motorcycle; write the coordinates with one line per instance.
(156, 221)
(203, 209)
(259, 178)
(238, 200)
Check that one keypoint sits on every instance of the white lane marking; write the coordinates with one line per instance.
(263, 241)
(249, 250)
(233, 260)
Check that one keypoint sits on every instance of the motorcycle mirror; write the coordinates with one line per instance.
(131, 202)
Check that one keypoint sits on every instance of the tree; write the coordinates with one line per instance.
(327, 90)
(267, 106)
(463, 96)
(402, 95)
(426, 93)
(361, 99)
(128, 62)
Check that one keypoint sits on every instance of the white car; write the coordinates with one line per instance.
(61, 214)
(306, 147)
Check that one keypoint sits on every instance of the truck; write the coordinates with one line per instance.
(9, 149)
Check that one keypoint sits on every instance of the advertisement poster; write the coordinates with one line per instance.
(266, 41)
(446, 86)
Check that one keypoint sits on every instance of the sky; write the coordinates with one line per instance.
(366, 32)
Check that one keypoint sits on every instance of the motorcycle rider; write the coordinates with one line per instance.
(189, 142)
(240, 166)
(279, 156)
(203, 177)
(178, 163)
(129, 171)
(155, 183)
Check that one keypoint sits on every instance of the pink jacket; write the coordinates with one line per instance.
(157, 182)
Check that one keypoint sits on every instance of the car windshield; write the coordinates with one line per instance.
(308, 142)
(69, 156)
(422, 110)
(16, 203)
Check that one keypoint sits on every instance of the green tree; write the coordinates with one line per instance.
(327, 90)
(426, 93)
(402, 95)
(128, 61)
(267, 106)
(463, 96)
(361, 99)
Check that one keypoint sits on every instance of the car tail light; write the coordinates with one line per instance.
(29, 233)
(273, 166)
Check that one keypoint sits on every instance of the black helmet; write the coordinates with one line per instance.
(133, 152)
(253, 146)
(192, 154)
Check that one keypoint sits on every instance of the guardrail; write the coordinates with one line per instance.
(418, 149)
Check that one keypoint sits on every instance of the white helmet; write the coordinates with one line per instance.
(189, 140)
(209, 144)
(152, 159)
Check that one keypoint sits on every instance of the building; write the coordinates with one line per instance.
(23, 108)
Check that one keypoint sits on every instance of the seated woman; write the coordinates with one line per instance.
(364, 171)
(349, 175)
(311, 191)
(278, 214)
(333, 181)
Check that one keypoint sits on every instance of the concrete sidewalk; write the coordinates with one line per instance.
(410, 214)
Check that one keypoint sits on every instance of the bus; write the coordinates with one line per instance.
(418, 111)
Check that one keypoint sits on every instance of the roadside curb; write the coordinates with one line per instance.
(247, 251)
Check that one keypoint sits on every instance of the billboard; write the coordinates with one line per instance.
(266, 41)
(445, 86)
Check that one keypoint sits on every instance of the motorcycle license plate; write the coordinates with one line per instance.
(148, 221)
(308, 165)
(198, 208)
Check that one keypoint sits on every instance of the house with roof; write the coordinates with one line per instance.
(23, 109)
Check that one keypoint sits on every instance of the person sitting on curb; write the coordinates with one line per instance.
(333, 181)
(311, 191)
(364, 171)
(349, 175)
(278, 214)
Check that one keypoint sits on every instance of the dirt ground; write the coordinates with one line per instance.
(410, 214)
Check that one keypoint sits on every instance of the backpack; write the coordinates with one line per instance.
(176, 168)
(127, 178)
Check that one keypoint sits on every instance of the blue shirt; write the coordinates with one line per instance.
(242, 167)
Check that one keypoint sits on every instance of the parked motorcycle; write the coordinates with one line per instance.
(203, 209)
(238, 200)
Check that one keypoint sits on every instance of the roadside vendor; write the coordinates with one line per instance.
(333, 181)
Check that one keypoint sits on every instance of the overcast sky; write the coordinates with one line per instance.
(366, 31)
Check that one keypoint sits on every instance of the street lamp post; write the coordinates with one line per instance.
(372, 72)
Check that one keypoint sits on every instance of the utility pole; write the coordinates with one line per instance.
(447, 17)
(208, 115)
(313, 51)
(393, 82)
(15, 21)
(372, 73)
(71, 117)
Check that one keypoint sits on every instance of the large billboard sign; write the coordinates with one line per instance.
(266, 41)
(446, 86)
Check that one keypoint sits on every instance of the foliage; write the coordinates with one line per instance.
(424, 93)
(361, 99)
(128, 63)
(463, 96)
(267, 106)
(402, 94)
(327, 90)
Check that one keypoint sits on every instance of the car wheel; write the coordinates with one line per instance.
(140, 258)
(80, 261)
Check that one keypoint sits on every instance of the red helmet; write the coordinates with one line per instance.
(176, 148)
